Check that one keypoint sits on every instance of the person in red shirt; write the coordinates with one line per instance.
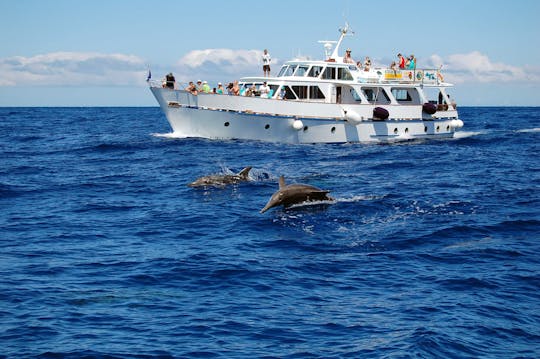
(401, 61)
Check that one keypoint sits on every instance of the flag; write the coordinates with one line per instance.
(149, 76)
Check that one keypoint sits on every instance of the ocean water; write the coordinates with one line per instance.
(431, 249)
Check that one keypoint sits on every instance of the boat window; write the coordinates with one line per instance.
(289, 94)
(315, 93)
(290, 70)
(344, 74)
(376, 94)
(273, 90)
(355, 95)
(282, 71)
(401, 94)
(329, 73)
(315, 71)
(353, 67)
(301, 91)
(301, 71)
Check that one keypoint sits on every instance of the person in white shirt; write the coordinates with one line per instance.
(264, 89)
(266, 62)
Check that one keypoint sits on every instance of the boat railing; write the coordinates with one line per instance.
(423, 76)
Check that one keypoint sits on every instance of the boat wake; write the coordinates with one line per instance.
(169, 135)
(529, 130)
(467, 134)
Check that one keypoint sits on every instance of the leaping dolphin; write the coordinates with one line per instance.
(221, 180)
(287, 195)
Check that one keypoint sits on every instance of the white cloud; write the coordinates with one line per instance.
(72, 69)
(477, 67)
(219, 64)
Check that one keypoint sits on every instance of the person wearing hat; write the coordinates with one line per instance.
(205, 87)
(347, 59)
(220, 90)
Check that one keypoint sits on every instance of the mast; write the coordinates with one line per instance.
(343, 32)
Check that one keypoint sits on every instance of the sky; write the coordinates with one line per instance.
(98, 52)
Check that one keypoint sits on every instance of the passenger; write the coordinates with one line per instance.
(220, 90)
(367, 64)
(359, 64)
(282, 93)
(250, 91)
(205, 87)
(266, 63)
(412, 62)
(199, 86)
(169, 81)
(347, 59)
(393, 67)
(401, 61)
(236, 89)
(264, 90)
(192, 89)
(214, 90)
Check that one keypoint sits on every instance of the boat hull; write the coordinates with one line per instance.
(188, 117)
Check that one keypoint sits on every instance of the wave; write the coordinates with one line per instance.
(529, 130)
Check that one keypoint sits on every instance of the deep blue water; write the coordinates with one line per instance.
(430, 250)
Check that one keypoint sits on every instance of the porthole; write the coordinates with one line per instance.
(407, 130)
(395, 131)
(333, 130)
(447, 128)
(226, 124)
(425, 129)
(305, 128)
(438, 128)
(267, 127)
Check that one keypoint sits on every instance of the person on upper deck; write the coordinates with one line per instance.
(347, 59)
(367, 64)
(401, 61)
(412, 62)
(266, 59)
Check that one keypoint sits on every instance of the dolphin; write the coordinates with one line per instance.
(221, 180)
(287, 195)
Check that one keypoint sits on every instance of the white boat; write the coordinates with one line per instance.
(326, 101)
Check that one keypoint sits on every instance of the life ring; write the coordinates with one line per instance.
(419, 75)
(440, 77)
(410, 75)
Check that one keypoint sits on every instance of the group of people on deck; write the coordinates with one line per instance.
(404, 63)
(233, 89)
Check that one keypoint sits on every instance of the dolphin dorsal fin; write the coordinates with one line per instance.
(281, 181)
(245, 172)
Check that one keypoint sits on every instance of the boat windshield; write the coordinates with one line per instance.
(301, 71)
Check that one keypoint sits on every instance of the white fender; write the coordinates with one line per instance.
(352, 117)
(298, 125)
(456, 123)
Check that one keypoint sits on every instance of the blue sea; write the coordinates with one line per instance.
(431, 249)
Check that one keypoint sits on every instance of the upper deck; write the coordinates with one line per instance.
(296, 70)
